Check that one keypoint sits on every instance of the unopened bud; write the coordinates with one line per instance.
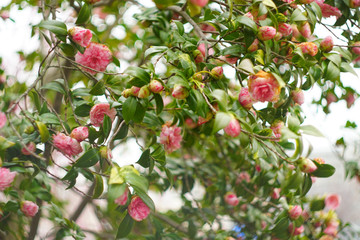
(217, 72)
(126, 93)
(135, 91)
(306, 165)
(144, 92)
(180, 92)
(155, 86)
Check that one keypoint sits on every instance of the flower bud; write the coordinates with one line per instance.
(29, 129)
(266, 33)
(298, 96)
(202, 120)
(29, 208)
(198, 56)
(330, 98)
(144, 92)
(135, 91)
(233, 129)
(306, 165)
(200, 3)
(285, 29)
(350, 99)
(122, 200)
(327, 44)
(155, 86)
(80, 133)
(231, 199)
(245, 99)
(217, 72)
(180, 92)
(81, 36)
(31, 146)
(126, 93)
(309, 48)
(190, 123)
(137, 209)
(356, 48)
(295, 212)
(354, 3)
(294, 231)
(254, 46)
(198, 77)
(275, 194)
(305, 30)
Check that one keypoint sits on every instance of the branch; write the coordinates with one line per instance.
(170, 222)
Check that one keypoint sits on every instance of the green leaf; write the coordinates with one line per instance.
(49, 118)
(247, 65)
(294, 124)
(154, 50)
(125, 227)
(115, 191)
(222, 98)
(159, 103)
(129, 109)
(281, 227)
(67, 49)
(332, 71)
(180, 27)
(248, 22)
(56, 85)
(5, 144)
(122, 132)
(298, 16)
(345, 67)
(306, 185)
(99, 186)
(222, 119)
(107, 124)
(56, 27)
(317, 205)
(323, 170)
(139, 73)
(139, 113)
(269, 3)
(311, 130)
(83, 110)
(295, 180)
(84, 14)
(146, 199)
(137, 181)
(44, 132)
(88, 159)
(98, 89)
(279, 79)
(144, 160)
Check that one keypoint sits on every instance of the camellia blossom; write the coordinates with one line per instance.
(263, 87)
(2, 119)
(297, 96)
(327, 44)
(98, 112)
(6, 178)
(295, 212)
(294, 231)
(285, 29)
(305, 30)
(332, 228)
(308, 48)
(245, 98)
(243, 177)
(332, 201)
(200, 3)
(29, 208)
(66, 144)
(155, 86)
(123, 198)
(328, 10)
(137, 209)
(96, 56)
(233, 129)
(202, 49)
(266, 33)
(171, 137)
(180, 92)
(31, 146)
(231, 199)
(80, 133)
(81, 36)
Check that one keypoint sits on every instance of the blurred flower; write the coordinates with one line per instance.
(298, 96)
(245, 99)
(233, 129)
(328, 10)
(170, 137)
(266, 33)
(2, 119)
(327, 44)
(285, 29)
(308, 48)
(31, 146)
(29, 208)
(98, 112)
(200, 3)
(294, 231)
(81, 36)
(231, 199)
(80, 133)
(6, 178)
(332, 201)
(295, 212)
(123, 198)
(137, 209)
(66, 144)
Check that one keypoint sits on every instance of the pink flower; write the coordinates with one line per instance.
(190, 123)
(308, 48)
(137, 209)
(263, 87)
(285, 29)
(123, 198)
(356, 48)
(295, 31)
(29, 208)
(202, 120)
(354, 3)
(231, 60)
(254, 46)
(217, 72)
(6, 178)
(257, 168)
(202, 49)
(332, 228)
(305, 30)
(66, 144)
(350, 99)
(171, 137)
(266, 33)
(295, 212)
(294, 231)
(180, 92)
(243, 176)
(245, 99)
(155, 86)
(98, 112)
(298, 96)
(233, 129)
(200, 3)
(80, 133)
(207, 27)
(332, 201)
(96, 56)
(327, 44)
(2, 119)
(275, 193)
(328, 10)
(330, 98)
(81, 36)
(249, 15)
(306, 165)
(31, 146)
(231, 199)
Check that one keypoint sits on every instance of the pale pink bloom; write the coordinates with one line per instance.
(356, 49)
(137, 209)
(217, 72)
(202, 49)
(200, 3)
(231, 199)
(254, 46)
(29, 208)
(98, 112)
(305, 30)
(285, 29)
(243, 176)
(330, 98)
(295, 212)
(245, 99)
(233, 129)
(275, 193)
(5, 14)
(354, 3)
(266, 33)
(350, 99)
(155, 86)
(2, 119)
(96, 56)
(66, 144)
(180, 92)
(190, 123)
(306, 165)
(328, 10)
(327, 44)
(298, 96)
(99, 12)
(264, 87)
(81, 36)
(171, 137)
(332, 228)
(6, 178)
(80, 133)
(123, 198)
(294, 231)
(332, 201)
(308, 48)
(31, 146)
